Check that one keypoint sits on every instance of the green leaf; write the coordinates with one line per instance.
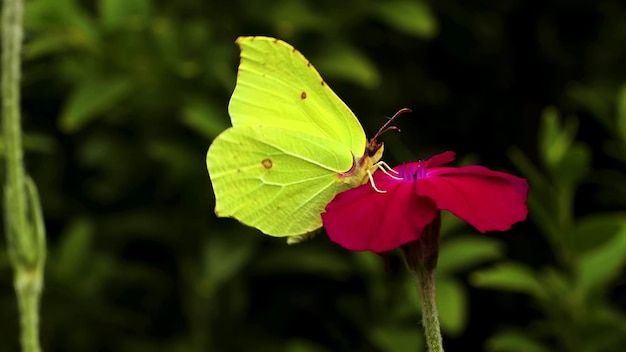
(74, 250)
(452, 306)
(178, 161)
(35, 142)
(543, 212)
(64, 19)
(369, 264)
(300, 345)
(93, 97)
(411, 17)
(557, 150)
(597, 267)
(514, 341)
(511, 277)
(304, 259)
(371, 267)
(542, 196)
(411, 307)
(291, 17)
(117, 13)
(621, 113)
(550, 147)
(223, 258)
(5, 264)
(205, 118)
(450, 224)
(574, 165)
(347, 63)
(45, 44)
(463, 252)
(594, 98)
(397, 339)
(535, 177)
(596, 229)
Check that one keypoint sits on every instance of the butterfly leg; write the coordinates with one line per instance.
(384, 168)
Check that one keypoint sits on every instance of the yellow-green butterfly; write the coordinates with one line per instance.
(293, 146)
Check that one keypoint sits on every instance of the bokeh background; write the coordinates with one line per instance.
(121, 99)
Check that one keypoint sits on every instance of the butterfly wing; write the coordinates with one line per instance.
(291, 143)
(277, 86)
(275, 179)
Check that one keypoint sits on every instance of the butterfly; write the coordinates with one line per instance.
(292, 147)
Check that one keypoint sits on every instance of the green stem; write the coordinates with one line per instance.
(420, 257)
(28, 289)
(23, 220)
(430, 317)
(11, 48)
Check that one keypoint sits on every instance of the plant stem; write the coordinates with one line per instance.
(28, 290)
(11, 49)
(420, 257)
(23, 220)
(430, 316)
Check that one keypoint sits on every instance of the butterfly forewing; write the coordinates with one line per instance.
(277, 86)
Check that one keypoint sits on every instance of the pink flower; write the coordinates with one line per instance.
(363, 219)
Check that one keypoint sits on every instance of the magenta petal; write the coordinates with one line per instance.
(488, 200)
(362, 219)
(440, 159)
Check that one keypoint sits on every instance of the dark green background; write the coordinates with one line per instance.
(121, 100)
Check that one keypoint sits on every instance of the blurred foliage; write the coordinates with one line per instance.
(121, 100)
(573, 293)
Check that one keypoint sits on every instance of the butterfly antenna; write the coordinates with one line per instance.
(373, 146)
(386, 126)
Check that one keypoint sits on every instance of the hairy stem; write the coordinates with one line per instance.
(420, 258)
(430, 316)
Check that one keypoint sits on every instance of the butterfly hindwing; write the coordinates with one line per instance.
(267, 178)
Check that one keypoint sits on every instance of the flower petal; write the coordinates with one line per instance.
(440, 159)
(362, 219)
(488, 200)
